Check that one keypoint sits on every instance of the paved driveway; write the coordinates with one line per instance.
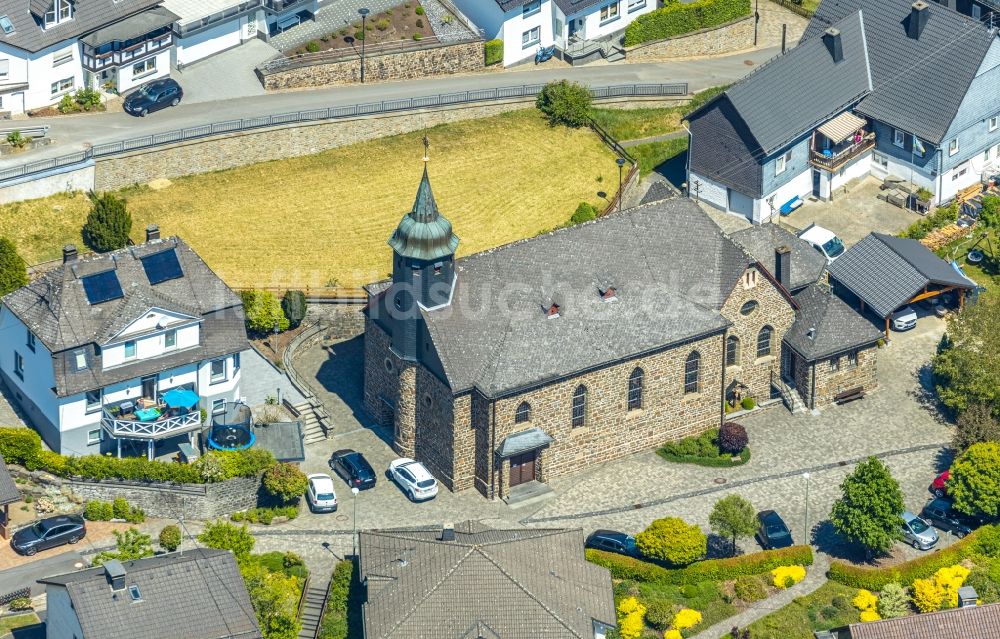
(226, 76)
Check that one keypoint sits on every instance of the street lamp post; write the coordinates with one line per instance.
(364, 36)
(806, 476)
(621, 164)
(354, 536)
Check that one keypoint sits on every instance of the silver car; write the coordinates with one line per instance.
(918, 533)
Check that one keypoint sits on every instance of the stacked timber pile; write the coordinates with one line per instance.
(944, 236)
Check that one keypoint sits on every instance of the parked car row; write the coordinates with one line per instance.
(411, 476)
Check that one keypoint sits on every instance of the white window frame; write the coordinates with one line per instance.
(611, 12)
(65, 9)
(135, 350)
(881, 161)
(170, 336)
(91, 439)
(148, 67)
(635, 5)
(992, 122)
(80, 359)
(213, 377)
(89, 406)
(531, 37)
(19, 365)
(531, 8)
(63, 86)
(953, 147)
(62, 57)
(218, 406)
(781, 164)
(899, 138)
(4, 69)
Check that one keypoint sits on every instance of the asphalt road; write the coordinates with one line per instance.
(29, 573)
(75, 133)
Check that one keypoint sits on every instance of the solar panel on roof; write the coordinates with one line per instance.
(102, 287)
(162, 266)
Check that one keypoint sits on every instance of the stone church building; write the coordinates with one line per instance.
(593, 342)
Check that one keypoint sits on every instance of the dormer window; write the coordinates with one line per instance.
(552, 312)
(609, 295)
(60, 11)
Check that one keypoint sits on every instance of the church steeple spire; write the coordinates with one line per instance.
(424, 233)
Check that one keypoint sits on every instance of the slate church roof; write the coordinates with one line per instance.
(762, 240)
(825, 326)
(57, 309)
(512, 584)
(197, 594)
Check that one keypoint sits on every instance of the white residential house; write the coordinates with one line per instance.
(90, 348)
(49, 48)
(525, 26)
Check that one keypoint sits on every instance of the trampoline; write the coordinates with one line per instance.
(231, 429)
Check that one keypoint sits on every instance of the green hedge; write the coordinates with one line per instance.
(493, 51)
(875, 579)
(702, 450)
(623, 567)
(675, 19)
(23, 446)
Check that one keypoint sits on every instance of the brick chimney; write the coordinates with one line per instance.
(152, 232)
(69, 253)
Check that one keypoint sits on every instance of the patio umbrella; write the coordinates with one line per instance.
(180, 398)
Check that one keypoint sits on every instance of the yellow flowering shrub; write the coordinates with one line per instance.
(673, 634)
(865, 600)
(869, 615)
(927, 596)
(630, 614)
(949, 580)
(785, 576)
(687, 618)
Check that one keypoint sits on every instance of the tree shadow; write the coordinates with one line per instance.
(721, 547)
(925, 395)
(827, 540)
(943, 459)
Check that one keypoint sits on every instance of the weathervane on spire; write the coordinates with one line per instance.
(427, 149)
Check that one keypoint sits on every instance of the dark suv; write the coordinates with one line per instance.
(49, 533)
(612, 541)
(153, 97)
(353, 468)
(773, 532)
(940, 514)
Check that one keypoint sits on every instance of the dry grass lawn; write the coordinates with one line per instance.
(324, 219)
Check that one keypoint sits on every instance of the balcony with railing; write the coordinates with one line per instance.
(115, 54)
(839, 141)
(152, 420)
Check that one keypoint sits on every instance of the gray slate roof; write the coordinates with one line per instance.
(89, 15)
(723, 148)
(283, 439)
(514, 584)
(886, 272)
(835, 327)
(917, 85)
(980, 622)
(56, 309)
(669, 264)
(197, 594)
(531, 439)
(9, 492)
(568, 7)
(762, 240)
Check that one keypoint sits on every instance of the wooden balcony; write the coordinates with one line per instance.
(835, 158)
(99, 61)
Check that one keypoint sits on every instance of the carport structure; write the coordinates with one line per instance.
(886, 273)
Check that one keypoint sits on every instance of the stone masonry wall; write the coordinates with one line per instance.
(729, 38)
(381, 384)
(611, 430)
(230, 151)
(446, 59)
(339, 321)
(830, 382)
(774, 310)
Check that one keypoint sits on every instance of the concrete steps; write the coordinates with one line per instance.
(312, 609)
(315, 422)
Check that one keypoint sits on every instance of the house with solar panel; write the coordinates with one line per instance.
(896, 89)
(121, 352)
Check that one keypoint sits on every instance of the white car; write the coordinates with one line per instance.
(320, 495)
(413, 478)
(824, 241)
(904, 319)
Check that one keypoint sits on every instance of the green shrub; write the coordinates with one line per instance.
(16, 140)
(675, 19)
(13, 269)
(170, 538)
(420, 23)
(939, 218)
(225, 536)
(987, 542)
(108, 224)
(585, 212)
(748, 403)
(334, 622)
(893, 601)
(419, 11)
(242, 463)
(749, 589)
(263, 311)
(660, 614)
(293, 305)
(493, 50)
(987, 590)
(703, 450)
(875, 579)
(285, 482)
(265, 515)
(120, 508)
(673, 540)
(312, 46)
(95, 511)
(715, 570)
(20, 604)
(53, 462)
(565, 102)
(20, 446)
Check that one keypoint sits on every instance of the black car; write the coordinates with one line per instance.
(940, 514)
(612, 541)
(49, 533)
(153, 97)
(773, 533)
(353, 468)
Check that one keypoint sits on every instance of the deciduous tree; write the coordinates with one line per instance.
(974, 485)
(975, 424)
(565, 102)
(869, 512)
(967, 366)
(131, 545)
(733, 517)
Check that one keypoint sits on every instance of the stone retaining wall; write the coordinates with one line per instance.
(339, 321)
(442, 59)
(240, 149)
(728, 38)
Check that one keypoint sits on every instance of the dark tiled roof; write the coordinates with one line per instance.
(89, 15)
(917, 85)
(979, 622)
(56, 309)
(516, 584)
(197, 594)
(8, 489)
(824, 325)
(657, 191)
(723, 149)
(886, 272)
(803, 88)
(568, 7)
(763, 240)
(671, 268)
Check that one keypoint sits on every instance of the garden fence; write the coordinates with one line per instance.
(795, 7)
(22, 593)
